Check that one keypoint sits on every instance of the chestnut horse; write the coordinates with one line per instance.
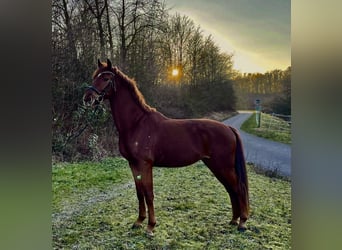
(147, 138)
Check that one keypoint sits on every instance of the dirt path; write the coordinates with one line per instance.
(267, 154)
(90, 198)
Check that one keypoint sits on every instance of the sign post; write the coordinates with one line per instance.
(258, 112)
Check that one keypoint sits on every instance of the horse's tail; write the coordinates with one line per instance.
(240, 168)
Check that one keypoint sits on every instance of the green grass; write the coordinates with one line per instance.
(267, 131)
(95, 205)
(71, 181)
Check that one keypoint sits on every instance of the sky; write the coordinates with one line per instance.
(257, 32)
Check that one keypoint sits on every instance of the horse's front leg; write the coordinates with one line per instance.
(141, 199)
(144, 184)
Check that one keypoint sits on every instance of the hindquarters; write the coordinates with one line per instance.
(227, 163)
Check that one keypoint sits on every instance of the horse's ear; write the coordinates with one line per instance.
(99, 64)
(109, 64)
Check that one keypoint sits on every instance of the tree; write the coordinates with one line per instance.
(97, 8)
(135, 18)
(109, 28)
(270, 87)
(282, 102)
(194, 50)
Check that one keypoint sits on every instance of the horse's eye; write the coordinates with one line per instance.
(106, 79)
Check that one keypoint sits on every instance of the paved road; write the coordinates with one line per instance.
(262, 152)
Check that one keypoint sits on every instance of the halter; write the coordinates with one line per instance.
(110, 84)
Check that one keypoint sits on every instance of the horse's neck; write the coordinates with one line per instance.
(126, 112)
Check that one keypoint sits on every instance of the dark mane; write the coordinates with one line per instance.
(132, 87)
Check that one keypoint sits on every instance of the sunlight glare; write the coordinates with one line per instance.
(175, 72)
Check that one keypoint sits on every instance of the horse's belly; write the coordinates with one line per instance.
(174, 163)
(177, 157)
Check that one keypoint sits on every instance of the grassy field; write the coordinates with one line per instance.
(268, 129)
(95, 205)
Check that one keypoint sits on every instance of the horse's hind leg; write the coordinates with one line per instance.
(227, 176)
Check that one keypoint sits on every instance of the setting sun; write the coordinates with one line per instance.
(175, 72)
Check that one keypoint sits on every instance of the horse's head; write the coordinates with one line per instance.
(103, 85)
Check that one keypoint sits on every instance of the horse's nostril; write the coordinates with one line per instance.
(87, 99)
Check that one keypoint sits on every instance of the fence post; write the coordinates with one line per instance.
(258, 112)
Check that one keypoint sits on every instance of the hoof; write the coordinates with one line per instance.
(149, 230)
(136, 226)
(149, 233)
(242, 225)
(233, 222)
(242, 228)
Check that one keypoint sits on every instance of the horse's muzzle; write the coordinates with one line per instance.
(89, 99)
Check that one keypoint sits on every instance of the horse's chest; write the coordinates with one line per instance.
(137, 147)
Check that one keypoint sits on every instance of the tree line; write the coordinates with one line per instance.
(273, 88)
(146, 42)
